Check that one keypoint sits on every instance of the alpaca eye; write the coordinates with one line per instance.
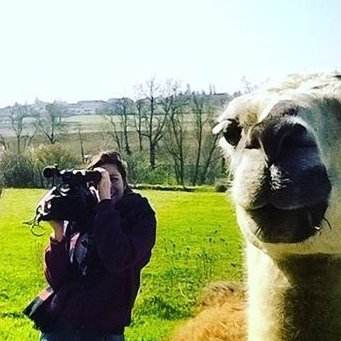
(232, 132)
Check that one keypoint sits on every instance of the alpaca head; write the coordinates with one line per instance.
(283, 146)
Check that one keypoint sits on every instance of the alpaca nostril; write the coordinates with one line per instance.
(275, 134)
(273, 141)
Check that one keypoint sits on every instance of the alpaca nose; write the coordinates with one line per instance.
(275, 134)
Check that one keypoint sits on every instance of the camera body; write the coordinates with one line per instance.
(72, 176)
(72, 199)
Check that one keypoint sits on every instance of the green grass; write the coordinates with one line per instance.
(197, 242)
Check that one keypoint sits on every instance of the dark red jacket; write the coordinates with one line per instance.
(123, 237)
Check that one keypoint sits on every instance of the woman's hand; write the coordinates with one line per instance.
(58, 229)
(57, 225)
(104, 185)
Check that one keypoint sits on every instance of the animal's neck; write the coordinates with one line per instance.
(295, 299)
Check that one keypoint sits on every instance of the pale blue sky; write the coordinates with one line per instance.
(97, 49)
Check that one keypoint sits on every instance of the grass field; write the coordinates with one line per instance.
(197, 242)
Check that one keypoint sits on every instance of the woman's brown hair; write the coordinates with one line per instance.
(112, 158)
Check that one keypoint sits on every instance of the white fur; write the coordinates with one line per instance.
(272, 274)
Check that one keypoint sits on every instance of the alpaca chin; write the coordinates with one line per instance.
(326, 240)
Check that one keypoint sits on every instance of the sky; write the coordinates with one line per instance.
(74, 50)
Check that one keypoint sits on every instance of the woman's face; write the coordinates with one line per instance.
(117, 183)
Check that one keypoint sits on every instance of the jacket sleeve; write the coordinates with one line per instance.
(57, 263)
(120, 251)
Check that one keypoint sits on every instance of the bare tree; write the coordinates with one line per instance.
(3, 142)
(138, 117)
(248, 87)
(28, 137)
(114, 131)
(153, 121)
(124, 108)
(81, 143)
(174, 107)
(50, 122)
(198, 110)
(119, 118)
(18, 113)
(204, 113)
(210, 158)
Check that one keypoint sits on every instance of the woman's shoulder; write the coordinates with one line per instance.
(135, 202)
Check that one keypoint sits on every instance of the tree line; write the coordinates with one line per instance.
(164, 134)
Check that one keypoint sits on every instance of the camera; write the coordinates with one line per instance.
(72, 177)
(72, 199)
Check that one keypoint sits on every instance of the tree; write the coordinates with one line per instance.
(50, 122)
(17, 169)
(124, 109)
(119, 118)
(81, 144)
(248, 87)
(174, 107)
(198, 110)
(153, 121)
(138, 117)
(114, 132)
(18, 113)
(204, 113)
(3, 142)
(49, 155)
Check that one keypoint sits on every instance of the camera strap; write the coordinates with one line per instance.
(83, 255)
(36, 229)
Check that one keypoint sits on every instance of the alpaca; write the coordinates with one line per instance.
(282, 145)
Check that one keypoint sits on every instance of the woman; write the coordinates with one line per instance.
(96, 274)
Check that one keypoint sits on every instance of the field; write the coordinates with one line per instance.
(197, 242)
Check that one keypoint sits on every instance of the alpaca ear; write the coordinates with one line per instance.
(219, 127)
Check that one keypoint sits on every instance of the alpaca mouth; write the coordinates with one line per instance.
(276, 225)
